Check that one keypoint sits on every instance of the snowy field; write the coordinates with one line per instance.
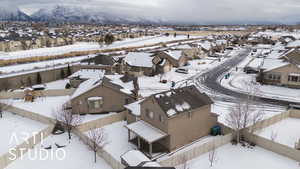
(84, 46)
(78, 155)
(237, 157)
(14, 125)
(42, 64)
(283, 132)
(117, 140)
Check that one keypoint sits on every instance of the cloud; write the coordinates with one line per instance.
(190, 11)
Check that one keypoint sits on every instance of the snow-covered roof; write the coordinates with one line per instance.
(127, 87)
(86, 86)
(270, 64)
(135, 107)
(205, 45)
(146, 131)
(139, 59)
(134, 158)
(88, 73)
(294, 44)
(175, 54)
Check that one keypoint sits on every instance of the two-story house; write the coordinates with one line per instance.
(169, 120)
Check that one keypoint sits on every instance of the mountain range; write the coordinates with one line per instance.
(74, 15)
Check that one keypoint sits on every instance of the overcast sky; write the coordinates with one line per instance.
(198, 11)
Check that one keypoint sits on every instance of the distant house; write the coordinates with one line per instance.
(283, 72)
(139, 63)
(176, 58)
(102, 95)
(189, 50)
(84, 74)
(169, 120)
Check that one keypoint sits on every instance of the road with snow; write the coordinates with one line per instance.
(209, 81)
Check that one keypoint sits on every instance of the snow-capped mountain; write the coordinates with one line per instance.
(13, 15)
(81, 15)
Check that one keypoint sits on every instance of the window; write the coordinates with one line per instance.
(161, 118)
(294, 78)
(95, 102)
(149, 114)
(275, 77)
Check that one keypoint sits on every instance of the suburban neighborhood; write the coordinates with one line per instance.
(136, 95)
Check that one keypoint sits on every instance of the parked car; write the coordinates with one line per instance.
(182, 70)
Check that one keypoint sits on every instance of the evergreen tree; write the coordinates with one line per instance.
(109, 39)
(38, 78)
(69, 72)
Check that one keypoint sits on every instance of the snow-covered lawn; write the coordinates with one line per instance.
(14, 125)
(284, 132)
(83, 46)
(237, 157)
(238, 80)
(78, 155)
(117, 140)
(59, 84)
(223, 109)
(45, 106)
(42, 64)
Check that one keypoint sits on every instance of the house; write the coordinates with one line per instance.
(102, 95)
(169, 120)
(84, 74)
(189, 50)
(282, 72)
(174, 58)
(139, 63)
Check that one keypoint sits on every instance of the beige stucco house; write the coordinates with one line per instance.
(101, 95)
(169, 120)
(283, 72)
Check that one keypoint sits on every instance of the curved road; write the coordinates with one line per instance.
(210, 81)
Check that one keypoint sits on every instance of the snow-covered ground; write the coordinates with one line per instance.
(42, 64)
(238, 157)
(59, 84)
(223, 109)
(14, 125)
(77, 155)
(283, 132)
(117, 140)
(45, 106)
(83, 46)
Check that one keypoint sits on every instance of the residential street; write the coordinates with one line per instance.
(209, 80)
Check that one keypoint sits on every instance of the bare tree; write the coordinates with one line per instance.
(212, 156)
(235, 119)
(98, 138)
(65, 116)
